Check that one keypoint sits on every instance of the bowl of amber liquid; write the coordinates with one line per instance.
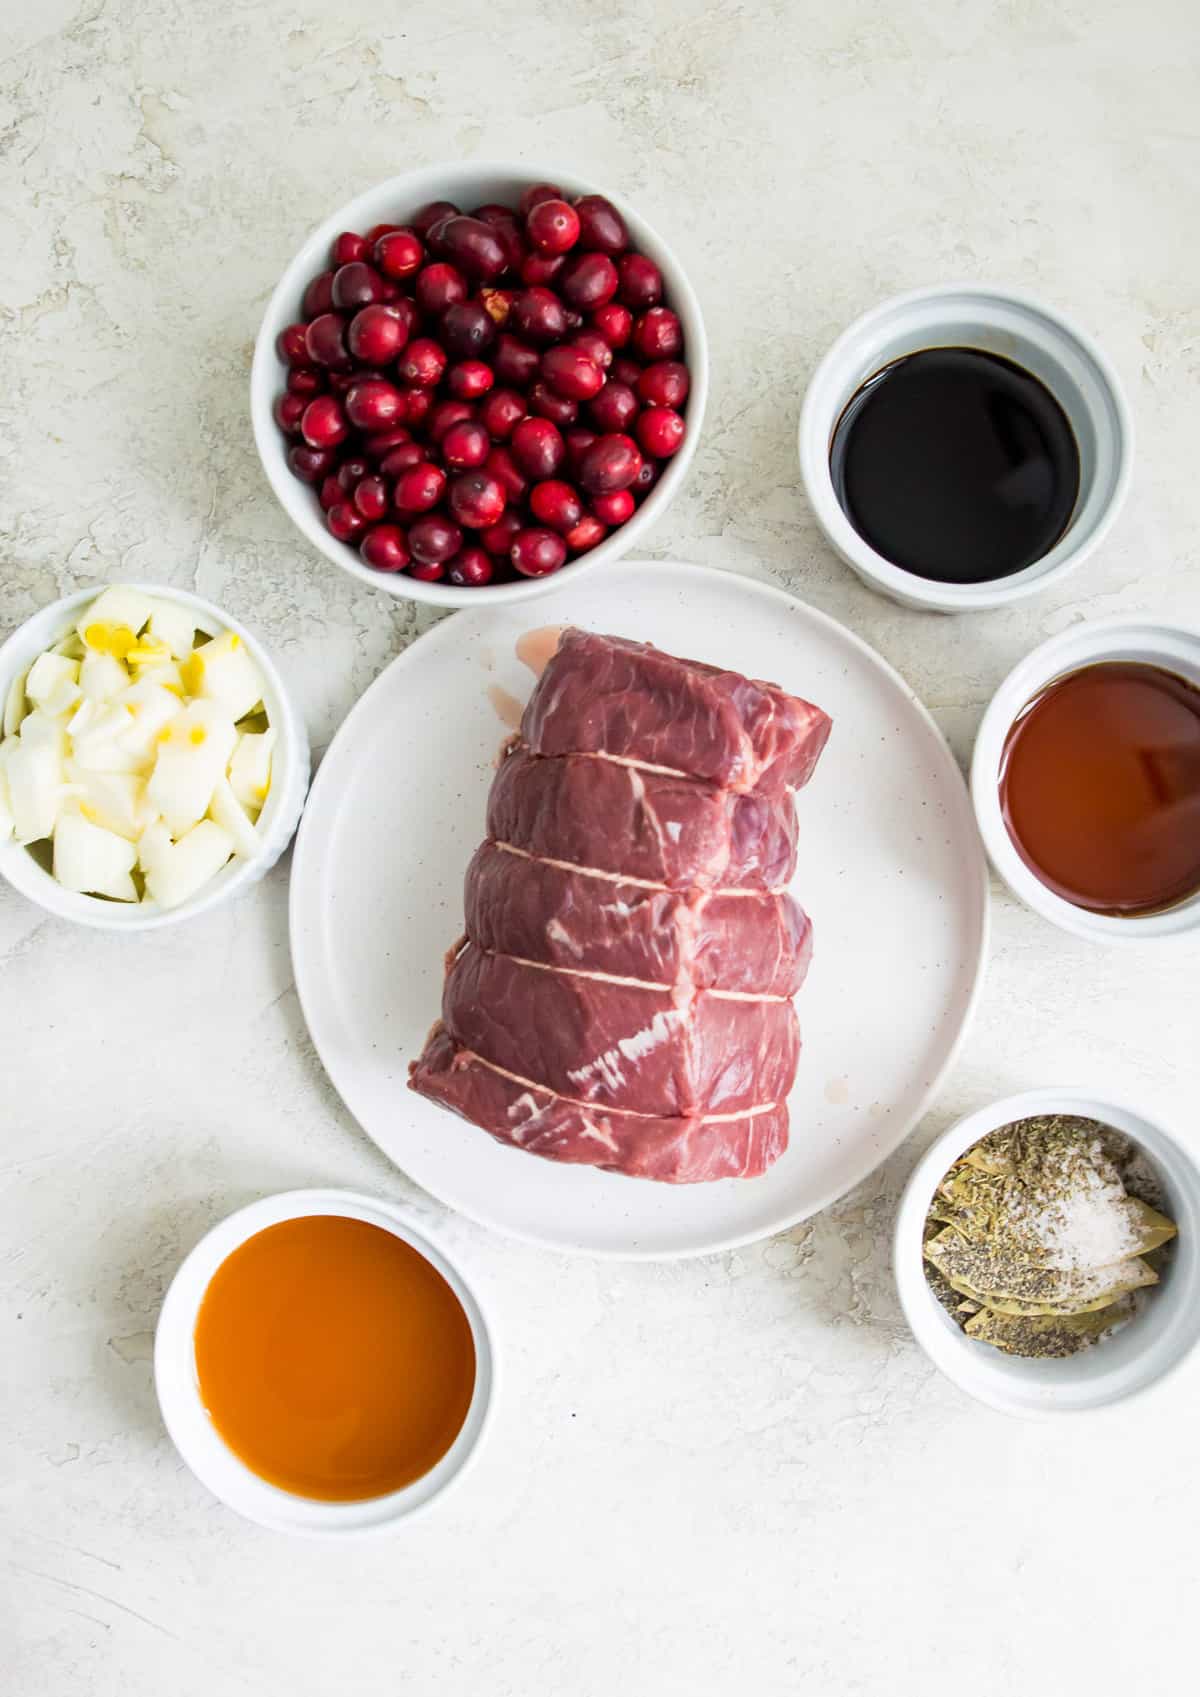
(323, 1367)
(1086, 780)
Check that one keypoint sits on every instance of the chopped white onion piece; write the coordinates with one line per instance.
(91, 860)
(229, 814)
(250, 768)
(224, 673)
(178, 872)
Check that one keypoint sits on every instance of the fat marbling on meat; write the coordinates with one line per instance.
(621, 996)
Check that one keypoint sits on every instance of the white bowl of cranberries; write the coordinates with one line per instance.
(472, 379)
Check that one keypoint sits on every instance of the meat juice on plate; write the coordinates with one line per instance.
(623, 996)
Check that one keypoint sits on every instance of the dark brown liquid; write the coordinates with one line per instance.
(956, 465)
(1100, 787)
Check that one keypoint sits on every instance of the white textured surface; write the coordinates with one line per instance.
(733, 1474)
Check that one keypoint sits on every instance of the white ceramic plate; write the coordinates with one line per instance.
(891, 870)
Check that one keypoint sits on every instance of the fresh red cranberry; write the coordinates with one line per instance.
(471, 569)
(610, 463)
(310, 465)
(371, 497)
(594, 346)
(330, 493)
(570, 371)
(664, 384)
(422, 363)
(614, 323)
(325, 340)
(403, 458)
(342, 378)
(345, 521)
(536, 193)
(537, 448)
(503, 221)
(323, 423)
(466, 330)
(427, 571)
(613, 509)
(470, 244)
(641, 283)
(541, 268)
(625, 370)
(304, 380)
(498, 304)
(646, 478)
(377, 230)
(386, 548)
(350, 472)
(433, 213)
(538, 316)
(470, 379)
(444, 415)
(589, 281)
(552, 226)
(377, 334)
(291, 345)
(660, 432)
(515, 364)
(374, 404)
(614, 408)
(420, 489)
(578, 441)
(434, 540)
(357, 284)
(586, 534)
(379, 445)
(498, 537)
(601, 227)
(318, 297)
(399, 254)
(657, 334)
(476, 499)
(465, 446)
(438, 287)
(504, 468)
(556, 504)
(536, 552)
(409, 313)
(501, 412)
(559, 409)
(348, 247)
(289, 410)
(417, 403)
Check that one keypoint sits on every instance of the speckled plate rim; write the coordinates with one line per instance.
(304, 949)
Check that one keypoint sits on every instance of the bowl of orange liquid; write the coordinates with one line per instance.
(321, 1366)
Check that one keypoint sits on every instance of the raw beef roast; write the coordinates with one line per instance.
(621, 997)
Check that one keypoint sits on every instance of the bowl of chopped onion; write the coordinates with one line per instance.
(152, 765)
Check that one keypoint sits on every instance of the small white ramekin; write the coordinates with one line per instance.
(1138, 1356)
(277, 822)
(197, 1439)
(1176, 648)
(997, 321)
(470, 184)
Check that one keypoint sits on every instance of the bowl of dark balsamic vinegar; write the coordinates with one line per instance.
(964, 446)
